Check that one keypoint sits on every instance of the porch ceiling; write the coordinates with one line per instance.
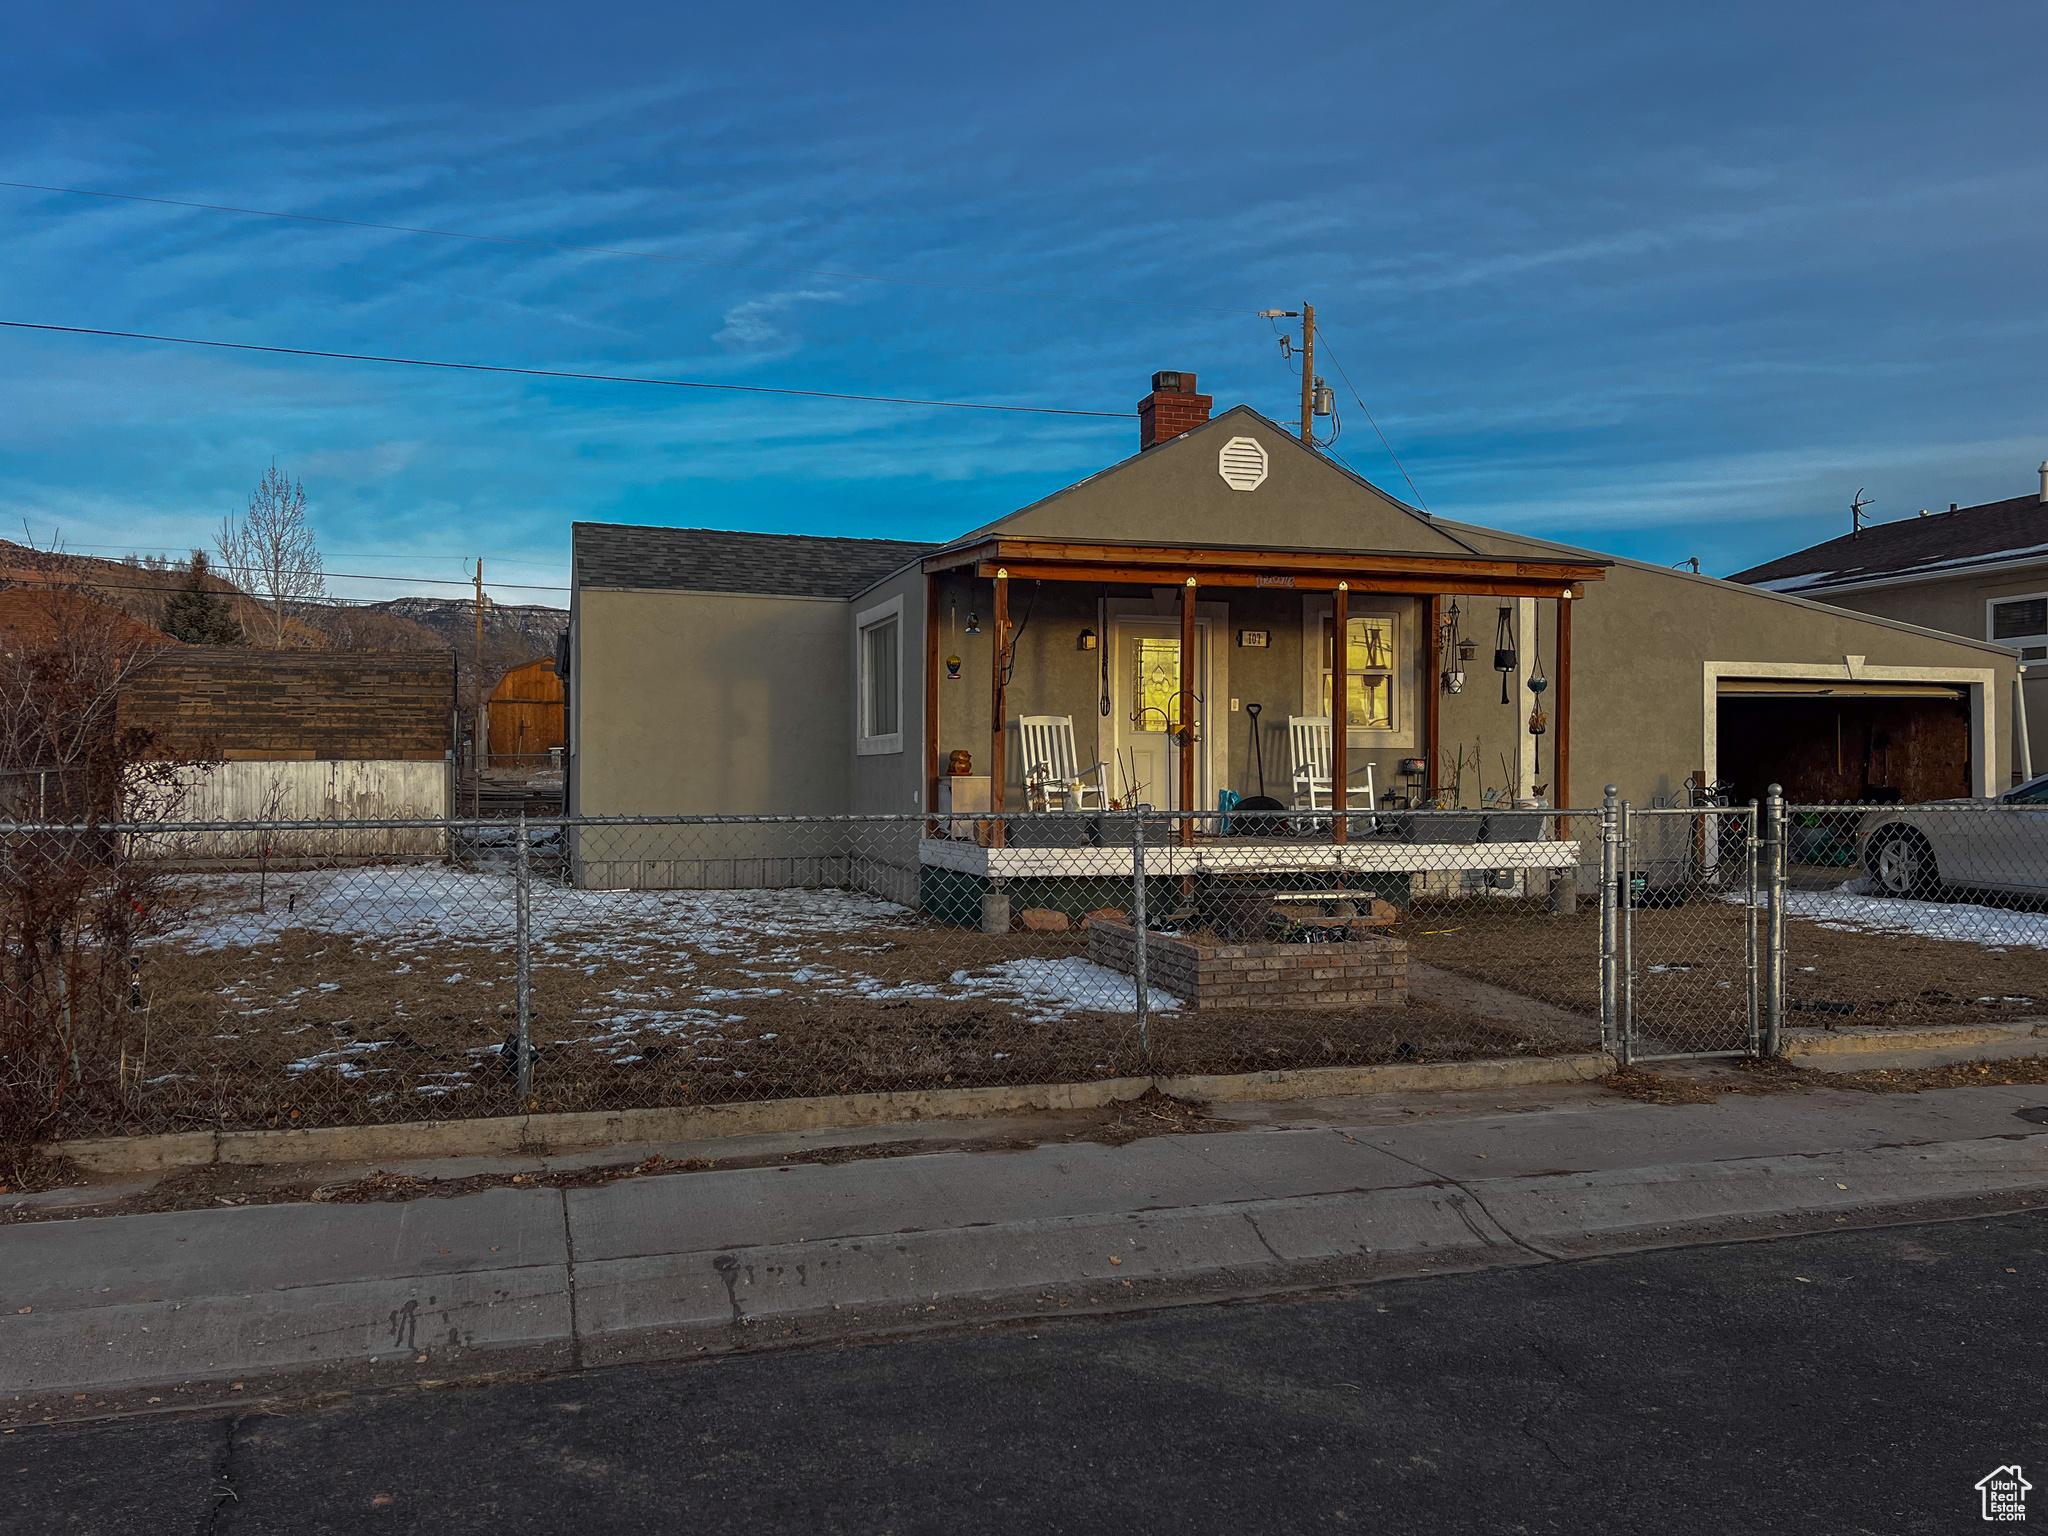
(1307, 570)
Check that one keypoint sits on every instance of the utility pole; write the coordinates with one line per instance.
(476, 695)
(1308, 374)
(1314, 397)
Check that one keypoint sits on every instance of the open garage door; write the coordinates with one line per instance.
(1843, 741)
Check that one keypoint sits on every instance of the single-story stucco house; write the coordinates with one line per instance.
(1156, 603)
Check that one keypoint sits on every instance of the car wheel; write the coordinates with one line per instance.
(1903, 863)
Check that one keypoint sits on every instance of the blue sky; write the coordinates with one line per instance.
(1664, 281)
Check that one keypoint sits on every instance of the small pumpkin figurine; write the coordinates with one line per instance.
(959, 761)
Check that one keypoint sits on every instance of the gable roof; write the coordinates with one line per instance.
(1913, 548)
(623, 556)
(1309, 501)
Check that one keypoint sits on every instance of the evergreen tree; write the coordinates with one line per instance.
(197, 615)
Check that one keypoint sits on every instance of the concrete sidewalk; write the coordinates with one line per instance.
(1332, 1192)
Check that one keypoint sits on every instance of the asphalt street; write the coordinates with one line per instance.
(1860, 1381)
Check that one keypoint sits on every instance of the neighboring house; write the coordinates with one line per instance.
(723, 672)
(1980, 572)
(302, 735)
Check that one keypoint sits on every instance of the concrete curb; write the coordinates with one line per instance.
(1866, 1038)
(508, 1136)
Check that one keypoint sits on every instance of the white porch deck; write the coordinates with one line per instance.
(1246, 856)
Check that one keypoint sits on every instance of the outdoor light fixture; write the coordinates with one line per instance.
(1087, 640)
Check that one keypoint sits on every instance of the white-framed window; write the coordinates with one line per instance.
(878, 647)
(1373, 644)
(1380, 661)
(2020, 622)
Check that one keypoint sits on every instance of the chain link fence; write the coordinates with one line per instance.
(294, 974)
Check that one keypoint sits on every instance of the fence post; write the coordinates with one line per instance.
(1625, 955)
(1774, 922)
(1752, 837)
(1138, 932)
(1610, 992)
(523, 909)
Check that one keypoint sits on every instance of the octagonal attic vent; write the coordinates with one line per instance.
(1242, 463)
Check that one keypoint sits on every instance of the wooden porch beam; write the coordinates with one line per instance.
(1340, 714)
(1561, 749)
(1187, 711)
(1433, 690)
(998, 766)
(1169, 563)
(1316, 581)
(931, 697)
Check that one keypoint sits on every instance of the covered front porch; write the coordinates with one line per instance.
(1192, 677)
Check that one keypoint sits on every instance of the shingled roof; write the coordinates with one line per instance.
(621, 555)
(1942, 544)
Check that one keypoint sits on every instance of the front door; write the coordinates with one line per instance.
(1145, 692)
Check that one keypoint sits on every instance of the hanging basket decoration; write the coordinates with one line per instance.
(1539, 722)
(1504, 659)
(1451, 644)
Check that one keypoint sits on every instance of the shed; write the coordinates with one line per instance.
(527, 715)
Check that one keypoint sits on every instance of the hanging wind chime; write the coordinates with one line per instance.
(1504, 659)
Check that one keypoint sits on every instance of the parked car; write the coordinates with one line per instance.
(1989, 845)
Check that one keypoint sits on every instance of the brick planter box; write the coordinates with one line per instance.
(1370, 972)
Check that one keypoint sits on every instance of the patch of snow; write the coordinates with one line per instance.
(1847, 910)
(1787, 583)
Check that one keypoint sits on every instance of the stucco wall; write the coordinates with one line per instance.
(890, 783)
(1173, 494)
(704, 703)
(1641, 640)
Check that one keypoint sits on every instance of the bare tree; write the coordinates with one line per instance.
(269, 551)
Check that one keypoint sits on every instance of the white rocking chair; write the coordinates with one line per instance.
(1308, 738)
(1052, 779)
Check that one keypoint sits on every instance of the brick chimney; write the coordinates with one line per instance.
(1171, 408)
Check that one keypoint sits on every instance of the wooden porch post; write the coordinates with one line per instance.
(1561, 751)
(1432, 690)
(931, 699)
(998, 767)
(1340, 713)
(1187, 710)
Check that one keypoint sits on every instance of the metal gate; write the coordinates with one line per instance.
(1691, 930)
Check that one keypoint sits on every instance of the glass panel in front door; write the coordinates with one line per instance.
(1155, 684)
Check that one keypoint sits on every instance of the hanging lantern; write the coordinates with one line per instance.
(1504, 658)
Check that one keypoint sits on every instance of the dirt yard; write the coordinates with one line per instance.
(359, 996)
(388, 994)
(1691, 962)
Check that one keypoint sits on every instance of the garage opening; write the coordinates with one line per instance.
(1875, 743)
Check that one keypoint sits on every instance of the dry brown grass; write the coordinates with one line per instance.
(314, 1029)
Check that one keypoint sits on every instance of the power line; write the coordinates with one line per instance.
(555, 373)
(174, 549)
(418, 581)
(606, 250)
(1375, 425)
